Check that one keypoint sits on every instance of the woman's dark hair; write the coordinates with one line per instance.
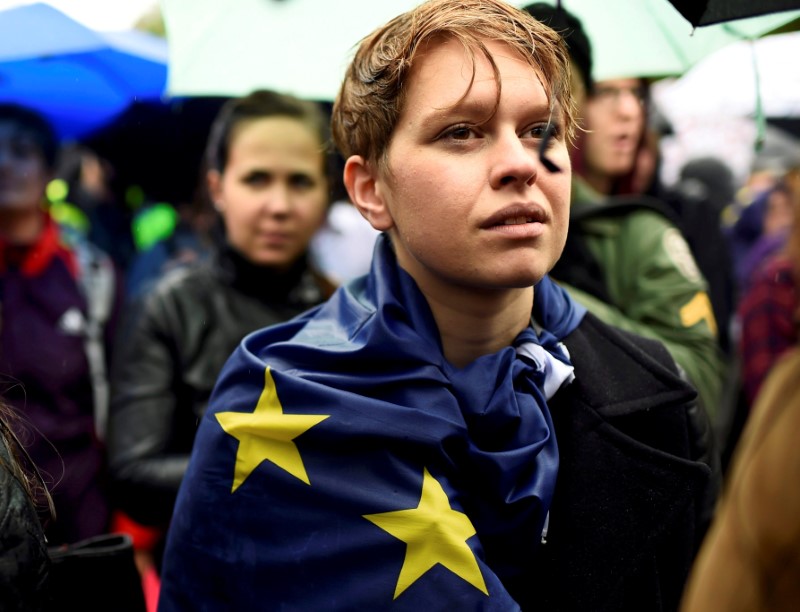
(20, 463)
(258, 105)
(33, 124)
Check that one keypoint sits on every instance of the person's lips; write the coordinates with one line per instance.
(623, 142)
(526, 220)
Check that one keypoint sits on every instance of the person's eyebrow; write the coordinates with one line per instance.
(478, 110)
(469, 108)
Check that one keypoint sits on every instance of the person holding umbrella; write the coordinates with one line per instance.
(451, 431)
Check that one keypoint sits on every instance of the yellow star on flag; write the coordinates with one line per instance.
(267, 434)
(433, 533)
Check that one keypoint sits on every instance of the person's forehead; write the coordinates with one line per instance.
(445, 57)
(623, 82)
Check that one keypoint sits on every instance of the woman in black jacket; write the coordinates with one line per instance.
(267, 179)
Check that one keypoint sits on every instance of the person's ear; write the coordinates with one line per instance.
(365, 190)
(214, 181)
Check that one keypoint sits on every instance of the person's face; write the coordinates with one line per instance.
(779, 214)
(272, 194)
(465, 197)
(23, 172)
(615, 117)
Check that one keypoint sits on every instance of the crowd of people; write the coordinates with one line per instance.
(494, 362)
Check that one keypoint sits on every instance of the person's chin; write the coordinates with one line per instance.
(277, 259)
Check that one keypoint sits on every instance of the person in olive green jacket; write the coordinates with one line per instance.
(625, 258)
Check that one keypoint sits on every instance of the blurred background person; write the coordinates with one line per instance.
(767, 312)
(87, 196)
(764, 324)
(626, 259)
(769, 218)
(706, 187)
(189, 241)
(750, 560)
(60, 297)
(267, 179)
(744, 221)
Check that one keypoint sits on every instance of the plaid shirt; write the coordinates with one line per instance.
(768, 321)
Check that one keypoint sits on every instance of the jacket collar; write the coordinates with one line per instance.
(34, 258)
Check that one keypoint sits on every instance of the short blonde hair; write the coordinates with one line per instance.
(372, 94)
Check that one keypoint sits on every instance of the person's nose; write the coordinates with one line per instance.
(278, 199)
(514, 162)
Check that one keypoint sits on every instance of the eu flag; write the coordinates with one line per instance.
(344, 464)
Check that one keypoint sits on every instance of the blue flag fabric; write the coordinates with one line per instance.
(344, 464)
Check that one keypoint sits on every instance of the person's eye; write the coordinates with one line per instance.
(604, 93)
(459, 132)
(301, 181)
(551, 131)
(256, 179)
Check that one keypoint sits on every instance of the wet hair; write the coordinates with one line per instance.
(19, 463)
(261, 104)
(31, 123)
(373, 92)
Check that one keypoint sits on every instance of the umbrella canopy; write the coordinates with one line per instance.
(300, 47)
(303, 46)
(650, 38)
(733, 81)
(78, 77)
(721, 105)
(707, 12)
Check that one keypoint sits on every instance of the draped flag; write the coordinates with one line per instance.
(344, 464)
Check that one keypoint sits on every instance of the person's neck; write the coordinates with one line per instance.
(472, 324)
(20, 227)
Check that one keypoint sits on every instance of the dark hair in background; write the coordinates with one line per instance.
(21, 465)
(258, 105)
(571, 30)
(33, 124)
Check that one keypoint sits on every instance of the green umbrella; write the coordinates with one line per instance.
(303, 46)
(650, 38)
(300, 47)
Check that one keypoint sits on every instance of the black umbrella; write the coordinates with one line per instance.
(707, 12)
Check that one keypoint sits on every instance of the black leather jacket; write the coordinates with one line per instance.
(173, 345)
(24, 563)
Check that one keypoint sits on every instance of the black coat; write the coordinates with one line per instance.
(24, 562)
(637, 480)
